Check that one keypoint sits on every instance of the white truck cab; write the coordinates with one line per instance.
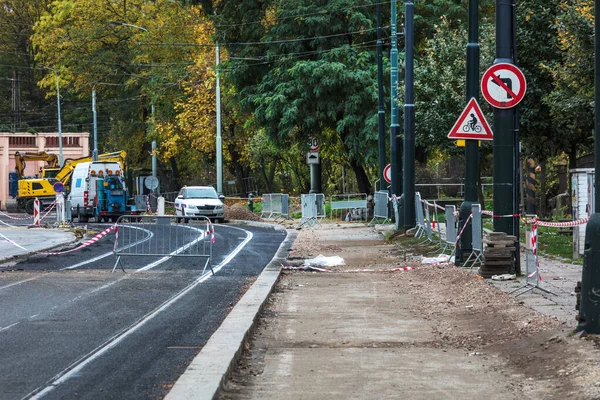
(83, 194)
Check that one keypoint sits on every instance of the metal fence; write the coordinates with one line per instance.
(451, 233)
(309, 209)
(275, 205)
(477, 236)
(419, 215)
(162, 236)
(381, 209)
(348, 207)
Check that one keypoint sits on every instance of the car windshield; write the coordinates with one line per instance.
(200, 193)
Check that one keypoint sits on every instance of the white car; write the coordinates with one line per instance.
(199, 201)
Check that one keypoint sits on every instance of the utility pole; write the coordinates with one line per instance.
(395, 143)
(154, 163)
(381, 112)
(95, 151)
(471, 146)
(219, 149)
(504, 130)
(589, 309)
(60, 144)
(409, 117)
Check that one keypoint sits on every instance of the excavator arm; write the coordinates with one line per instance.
(22, 158)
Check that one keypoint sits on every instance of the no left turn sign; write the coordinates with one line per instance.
(503, 85)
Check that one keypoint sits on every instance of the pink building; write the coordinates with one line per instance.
(75, 145)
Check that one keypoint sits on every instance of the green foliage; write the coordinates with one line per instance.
(440, 83)
(571, 100)
(536, 29)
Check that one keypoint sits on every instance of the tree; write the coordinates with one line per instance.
(139, 52)
(440, 83)
(571, 100)
(325, 82)
(18, 68)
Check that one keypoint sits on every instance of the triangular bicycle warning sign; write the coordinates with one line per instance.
(471, 124)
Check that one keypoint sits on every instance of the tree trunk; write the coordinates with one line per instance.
(362, 180)
(543, 189)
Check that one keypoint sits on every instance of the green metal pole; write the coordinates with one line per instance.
(471, 146)
(381, 111)
(504, 129)
(395, 141)
(394, 128)
(409, 118)
(589, 309)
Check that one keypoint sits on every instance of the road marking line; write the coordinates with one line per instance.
(8, 327)
(78, 365)
(150, 236)
(20, 282)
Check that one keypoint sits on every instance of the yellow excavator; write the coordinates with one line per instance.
(49, 171)
(43, 188)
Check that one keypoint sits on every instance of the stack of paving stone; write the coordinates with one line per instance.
(498, 255)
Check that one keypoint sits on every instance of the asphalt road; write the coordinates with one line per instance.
(70, 328)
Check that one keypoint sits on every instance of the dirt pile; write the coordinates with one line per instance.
(239, 212)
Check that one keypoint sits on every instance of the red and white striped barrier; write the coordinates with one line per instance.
(36, 212)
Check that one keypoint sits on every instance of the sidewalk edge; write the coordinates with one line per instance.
(17, 257)
(208, 371)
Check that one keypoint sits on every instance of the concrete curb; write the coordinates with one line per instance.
(211, 368)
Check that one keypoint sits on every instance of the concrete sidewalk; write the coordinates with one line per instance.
(29, 240)
(433, 332)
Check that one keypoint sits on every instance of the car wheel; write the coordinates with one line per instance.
(185, 220)
(178, 220)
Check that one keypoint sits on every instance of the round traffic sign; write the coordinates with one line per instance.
(58, 187)
(151, 182)
(387, 173)
(313, 143)
(503, 85)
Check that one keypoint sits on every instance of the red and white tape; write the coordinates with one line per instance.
(166, 201)
(350, 271)
(580, 221)
(15, 218)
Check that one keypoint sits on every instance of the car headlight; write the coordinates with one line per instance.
(190, 207)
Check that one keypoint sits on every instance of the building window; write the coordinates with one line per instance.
(22, 141)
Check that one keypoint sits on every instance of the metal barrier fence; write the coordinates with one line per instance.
(161, 236)
(396, 211)
(277, 205)
(350, 207)
(451, 233)
(381, 209)
(309, 209)
(320, 200)
(477, 235)
(267, 206)
(419, 215)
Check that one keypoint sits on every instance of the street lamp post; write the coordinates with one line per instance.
(219, 149)
(60, 146)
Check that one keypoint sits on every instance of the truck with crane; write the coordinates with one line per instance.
(43, 188)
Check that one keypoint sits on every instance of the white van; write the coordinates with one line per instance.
(84, 184)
